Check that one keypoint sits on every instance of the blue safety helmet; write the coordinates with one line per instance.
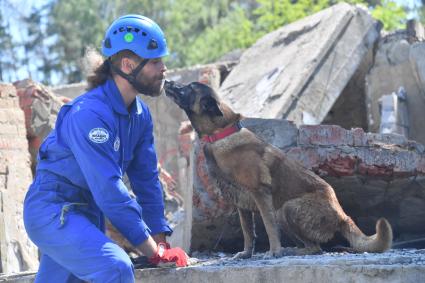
(136, 33)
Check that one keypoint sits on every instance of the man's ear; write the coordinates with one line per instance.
(128, 65)
(210, 105)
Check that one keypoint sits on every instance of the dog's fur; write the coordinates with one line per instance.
(259, 177)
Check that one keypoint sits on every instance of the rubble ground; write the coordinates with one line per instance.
(391, 257)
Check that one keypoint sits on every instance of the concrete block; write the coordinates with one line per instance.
(399, 62)
(298, 71)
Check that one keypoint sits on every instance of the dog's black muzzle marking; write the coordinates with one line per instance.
(180, 93)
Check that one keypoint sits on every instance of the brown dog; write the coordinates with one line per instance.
(257, 176)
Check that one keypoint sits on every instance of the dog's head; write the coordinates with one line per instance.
(202, 105)
(194, 98)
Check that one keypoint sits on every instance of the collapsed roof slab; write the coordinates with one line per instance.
(298, 71)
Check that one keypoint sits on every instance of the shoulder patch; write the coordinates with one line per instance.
(98, 135)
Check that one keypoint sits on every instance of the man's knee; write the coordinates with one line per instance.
(126, 270)
(121, 271)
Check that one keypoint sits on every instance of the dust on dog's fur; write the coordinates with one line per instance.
(259, 177)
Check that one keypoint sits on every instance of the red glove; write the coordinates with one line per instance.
(165, 254)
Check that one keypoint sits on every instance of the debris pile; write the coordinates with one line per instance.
(335, 68)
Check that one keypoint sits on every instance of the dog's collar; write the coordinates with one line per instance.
(224, 133)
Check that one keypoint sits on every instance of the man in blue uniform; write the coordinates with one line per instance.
(99, 137)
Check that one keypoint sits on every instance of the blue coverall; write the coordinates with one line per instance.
(79, 180)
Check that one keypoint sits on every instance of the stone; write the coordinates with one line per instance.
(399, 62)
(17, 253)
(407, 266)
(41, 107)
(298, 71)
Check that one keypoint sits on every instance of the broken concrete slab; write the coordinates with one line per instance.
(399, 62)
(373, 176)
(394, 114)
(349, 110)
(407, 266)
(298, 71)
(17, 253)
(393, 266)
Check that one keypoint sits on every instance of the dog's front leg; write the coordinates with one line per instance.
(264, 202)
(247, 224)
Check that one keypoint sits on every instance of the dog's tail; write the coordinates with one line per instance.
(378, 243)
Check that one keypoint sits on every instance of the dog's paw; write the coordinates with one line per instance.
(243, 255)
(275, 253)
(281, 252)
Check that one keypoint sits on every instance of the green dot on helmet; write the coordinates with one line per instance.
(128, 37)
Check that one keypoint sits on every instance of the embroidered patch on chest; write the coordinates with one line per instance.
(99, 135)
(117, 144)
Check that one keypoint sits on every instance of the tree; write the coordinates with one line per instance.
(390, 14)
(8, 62)
(232, 32)
(76, 25)
(197, 31)
(35, 52)
(273, 14)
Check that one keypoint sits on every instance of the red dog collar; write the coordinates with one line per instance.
(224, 133)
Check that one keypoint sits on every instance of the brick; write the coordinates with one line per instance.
(8, 129)
(7, 90)
(338, 167)
(324, 135)
(11, 142)
(359, 137)
(8, 103)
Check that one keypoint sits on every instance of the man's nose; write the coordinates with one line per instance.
(163, 67)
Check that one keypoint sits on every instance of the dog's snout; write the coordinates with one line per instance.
(173, 88)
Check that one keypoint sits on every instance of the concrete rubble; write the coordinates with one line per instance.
(407, 266)
(298, 71)
(331, 68)
(41, 108)
(399, 62)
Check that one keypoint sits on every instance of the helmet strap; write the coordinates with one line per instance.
(132, 77)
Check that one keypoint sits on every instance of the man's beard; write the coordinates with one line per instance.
(153, 87)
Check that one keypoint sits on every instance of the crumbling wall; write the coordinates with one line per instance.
(17, 253)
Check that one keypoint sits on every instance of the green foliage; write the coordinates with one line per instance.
(392, 15)
(187, 22)
(8, 68)
(76, 24)
(273, 14)
(232, 32)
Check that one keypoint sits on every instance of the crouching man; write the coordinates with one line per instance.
(98, 137)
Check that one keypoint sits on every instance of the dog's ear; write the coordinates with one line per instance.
(210, 105)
